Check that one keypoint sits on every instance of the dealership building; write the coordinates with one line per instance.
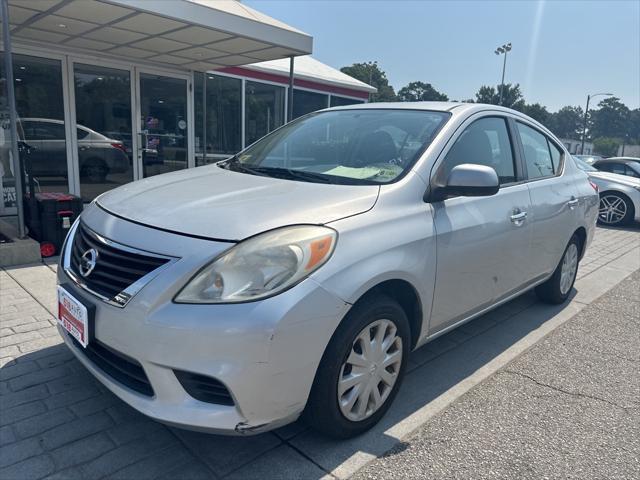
(111, 91)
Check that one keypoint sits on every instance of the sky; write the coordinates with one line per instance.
(562, 50)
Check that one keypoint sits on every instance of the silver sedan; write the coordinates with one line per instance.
(619, 195)
(297, 276)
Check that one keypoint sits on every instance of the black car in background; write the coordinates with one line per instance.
(629, 166)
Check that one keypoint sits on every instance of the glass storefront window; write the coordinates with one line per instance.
(41, 128)
(306, 102)
(103, 119)
(224, 114)
(337, 101)
(198, 116)
(7, 179)
(264, 109)
(219, 123)
(164, 127)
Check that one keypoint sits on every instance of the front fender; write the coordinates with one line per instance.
(383, 247)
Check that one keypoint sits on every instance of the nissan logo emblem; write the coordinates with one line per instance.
(88, 262)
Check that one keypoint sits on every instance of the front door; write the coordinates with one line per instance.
(164, 126)
(483, 243)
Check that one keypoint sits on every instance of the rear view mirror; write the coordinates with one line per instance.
(468, 180)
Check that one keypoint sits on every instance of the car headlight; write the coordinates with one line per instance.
(261, 266)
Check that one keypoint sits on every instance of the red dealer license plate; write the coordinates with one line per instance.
(73, 316)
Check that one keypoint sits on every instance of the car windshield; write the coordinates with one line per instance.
(357, 146)
(582, 165)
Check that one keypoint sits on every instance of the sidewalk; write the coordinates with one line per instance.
(57, 421)
(567, 408)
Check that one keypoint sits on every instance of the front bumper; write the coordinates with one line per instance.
(265, 353)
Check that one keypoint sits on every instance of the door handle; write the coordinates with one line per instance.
(572, 203)
(518, 218)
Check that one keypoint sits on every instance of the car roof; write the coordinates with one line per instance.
(625, 159)
(44, 120)
(432, 106)
(456, 108)
(618, 160)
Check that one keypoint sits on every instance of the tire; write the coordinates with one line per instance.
(94, 171)
(615, 209)
(558, 287)
(324, 411)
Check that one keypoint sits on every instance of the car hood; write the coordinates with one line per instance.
(220, 204)
(614, 177)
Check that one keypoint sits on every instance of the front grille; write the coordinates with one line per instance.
(203, 388)
(116, 268)
(116, 365)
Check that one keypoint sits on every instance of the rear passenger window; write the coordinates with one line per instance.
(484, 142)
(556, 156)
(617, 168)
(631, 173)
(537, 155)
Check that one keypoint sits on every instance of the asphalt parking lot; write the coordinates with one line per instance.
(567, 408)
(56, 421)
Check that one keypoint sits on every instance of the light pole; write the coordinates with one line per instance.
(586, 112)
(504, 49)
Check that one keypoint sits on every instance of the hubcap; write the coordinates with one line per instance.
(370, 371)
(569, 268)
(612, 209)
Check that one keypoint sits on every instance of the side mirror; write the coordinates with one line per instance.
(468, 180)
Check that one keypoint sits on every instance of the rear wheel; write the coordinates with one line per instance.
(615, 209)
(556, 290)
(361, 369)
(94, 171)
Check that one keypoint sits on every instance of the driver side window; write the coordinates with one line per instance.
(484, 142)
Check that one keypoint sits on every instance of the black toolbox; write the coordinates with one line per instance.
(50, 217)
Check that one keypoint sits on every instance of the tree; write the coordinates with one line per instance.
(610, 120)
(633, 130)
(606, 146)
(371, 74)
(420, 92)
(511, 97)
(567, 122)
(487, 94)
(537, 112)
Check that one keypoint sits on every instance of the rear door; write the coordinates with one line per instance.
(483, 243)
(554, 198)
(49, 155)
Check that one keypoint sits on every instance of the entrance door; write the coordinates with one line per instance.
(103, 128)
(163, 143)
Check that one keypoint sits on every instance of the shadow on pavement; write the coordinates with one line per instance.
(54, 406)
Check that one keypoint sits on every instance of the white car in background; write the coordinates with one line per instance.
(619, 195)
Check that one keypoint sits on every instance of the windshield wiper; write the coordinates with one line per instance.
(291, 174)
(234, 164)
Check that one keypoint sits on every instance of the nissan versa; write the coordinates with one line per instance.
(296, 276)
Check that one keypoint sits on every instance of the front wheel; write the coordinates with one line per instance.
(615, 209)
(361, 369)
(556, 290)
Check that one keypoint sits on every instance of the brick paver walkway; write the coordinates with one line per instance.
(56, 421)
